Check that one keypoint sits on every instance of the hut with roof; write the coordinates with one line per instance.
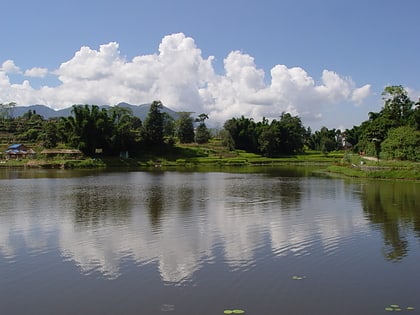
(19, 151)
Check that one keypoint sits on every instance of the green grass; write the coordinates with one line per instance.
(353, 165)
(215, 155)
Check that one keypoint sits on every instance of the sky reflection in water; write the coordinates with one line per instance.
(186, 224)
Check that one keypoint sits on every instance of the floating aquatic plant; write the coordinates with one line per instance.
(298, 277)
(397, 308)
(233, 311)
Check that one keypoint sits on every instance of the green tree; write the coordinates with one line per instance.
(153, 125)
(50, 135)
(398, 106)
(227, 139)
(402, 143)
(270, 139)
(168, 125)
(284, 136)
(415, 117)
(243, 132)
(185, 128)
(202, 134)
(398, 110)
(325, 140)
(89, 129)
(292, 134)
(125, 129)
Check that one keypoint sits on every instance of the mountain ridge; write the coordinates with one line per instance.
(47, 112)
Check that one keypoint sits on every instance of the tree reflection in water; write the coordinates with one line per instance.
(394, 207)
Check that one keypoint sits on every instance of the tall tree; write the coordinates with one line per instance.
(292, 134)
(244, 133)
(270, 139)
(398, 106)
(90, 128)
(324, 140)
(125, 129)
(50, 136)
(168, 125)
(185, 128)
(202, 134)
(153, 125)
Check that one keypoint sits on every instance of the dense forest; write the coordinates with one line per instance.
(391, 133)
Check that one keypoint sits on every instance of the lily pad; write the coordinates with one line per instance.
(227, 312)
(298, 277)
(410, 308)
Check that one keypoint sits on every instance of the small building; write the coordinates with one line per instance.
(68, 153)
(19, 151)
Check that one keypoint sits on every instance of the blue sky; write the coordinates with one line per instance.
(326, 61)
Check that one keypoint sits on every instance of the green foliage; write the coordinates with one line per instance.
(91, 128)
(185, 128)
(88, 129)
(124, 130)
(168, 125)
(202, 134)
(30, 135)
(325, 140)
(269, 140)
(153, 125)
(398, 111)
(398, 107)
(244, 133)
(402, 143)
(227, 140)
(280, 137)
(292, 134)
(50, 136)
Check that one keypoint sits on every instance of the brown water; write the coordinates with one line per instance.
(275, 241)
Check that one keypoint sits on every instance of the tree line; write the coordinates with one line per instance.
(393, 132)
(109, 131)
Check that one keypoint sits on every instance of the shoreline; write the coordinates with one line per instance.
(330, 166)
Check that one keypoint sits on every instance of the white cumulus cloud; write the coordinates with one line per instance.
(9, 67)
(36, 72)
(360, 94)
(183, 79)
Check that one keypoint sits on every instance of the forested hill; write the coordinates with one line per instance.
(140, 111)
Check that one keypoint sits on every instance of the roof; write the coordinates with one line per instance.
(15, 146)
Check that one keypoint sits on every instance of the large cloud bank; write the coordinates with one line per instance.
(184, 80)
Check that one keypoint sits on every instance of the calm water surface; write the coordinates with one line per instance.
(204, 242)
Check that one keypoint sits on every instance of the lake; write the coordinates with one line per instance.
(266, 241)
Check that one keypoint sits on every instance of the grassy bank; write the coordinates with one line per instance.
(180, 155)
(215, 155)
(357, 166)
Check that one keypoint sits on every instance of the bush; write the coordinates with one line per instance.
(402, 143)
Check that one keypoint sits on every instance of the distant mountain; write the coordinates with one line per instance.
(42, 110)
(140, 111)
